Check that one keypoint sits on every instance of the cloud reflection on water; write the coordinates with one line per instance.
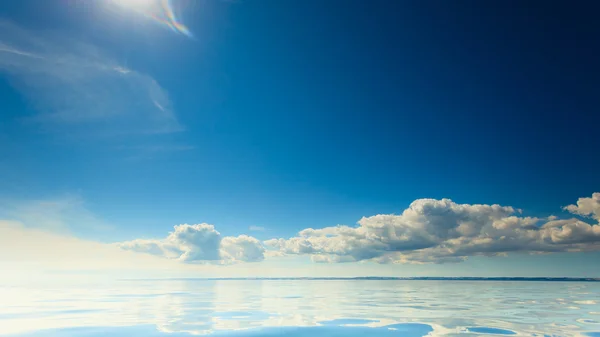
(433, 308)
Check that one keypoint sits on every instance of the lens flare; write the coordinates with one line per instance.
(159, 11)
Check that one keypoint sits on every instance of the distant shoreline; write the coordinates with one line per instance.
(374, 278)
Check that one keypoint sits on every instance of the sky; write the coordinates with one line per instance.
(299, 138)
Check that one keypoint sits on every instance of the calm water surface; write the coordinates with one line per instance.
(302, 308)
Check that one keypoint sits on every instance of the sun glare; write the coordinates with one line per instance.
(159, 11)
(139, 4)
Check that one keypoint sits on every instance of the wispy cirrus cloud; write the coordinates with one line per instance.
(61, 214)
(74, 86)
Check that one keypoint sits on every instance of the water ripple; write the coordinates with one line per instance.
(303, 308)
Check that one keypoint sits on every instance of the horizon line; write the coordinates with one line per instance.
(378, 278)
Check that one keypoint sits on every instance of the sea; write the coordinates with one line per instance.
(303, 307)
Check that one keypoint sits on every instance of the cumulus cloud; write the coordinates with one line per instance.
(72, 83)
(200, 243)
(442, 231)
(589, 207)
(428, 231)
(242, 248)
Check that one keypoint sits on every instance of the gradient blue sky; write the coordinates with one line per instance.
(286, 115)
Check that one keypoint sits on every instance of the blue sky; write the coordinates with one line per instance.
(271, 117)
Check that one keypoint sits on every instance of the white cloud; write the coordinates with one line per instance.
(442, 231)
(587, 207)
(60, 214)
(428, 231)
(72, 83)
(27, 252)
(200, 243)
(29, 255)
(242, 248)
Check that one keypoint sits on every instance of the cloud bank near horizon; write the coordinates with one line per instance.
(200, 243)
(428, 231)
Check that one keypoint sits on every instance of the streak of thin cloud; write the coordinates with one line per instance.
(75, 87)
